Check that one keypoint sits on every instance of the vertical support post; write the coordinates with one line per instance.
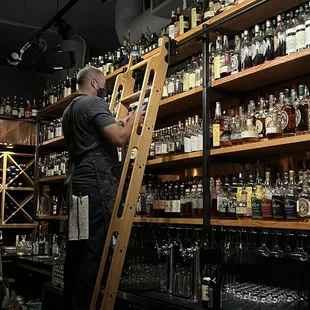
(36, 173)
(206, 133)
(5, 161)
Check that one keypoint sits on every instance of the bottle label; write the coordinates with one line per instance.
(234, 63)
(267, 207)
(164, 148)
(200, 203)
(171, 147)
(290, 41)
(284, 120)
(176, 29)
(192, 80)
(155, 205)
(161, 205)
(168, 206)
(171, 32)
(278, 207)
(271, 130)
(165, 91)
(171, 89)
(249, 134)
(208, 14)
(2, 110)
(158, 149)
(176, 206)
(194, 143)
(205, 292)
(14, 112)
(195, 204)
(249, 192)
(307, 33)
(217, 67)
(200, 142)
(34, 112)
(186, 81)
(300, 37)
(303, 207)
(197, 77)
(256, 208)
(193, 18)
(21, 112)
(298, 116)
(245, 53)
(259, 126)
(216, 135)
(291, 209)
(181, 24)
(187, 145)
(222, 204)
(8, 110)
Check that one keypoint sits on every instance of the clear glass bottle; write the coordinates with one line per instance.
(300, 30)
(291, 35)
(269, 41)
(218, 57)
(246, 51)
(291, 197)
(225, 65)
(225, 138)
(280, 38)
(261, 119)
(258, 47)
(278, 200)
(218, 126)
(249, 132)
(273, 128)
(187, 138)
(267, 198)
(235, 57)
(307, 30)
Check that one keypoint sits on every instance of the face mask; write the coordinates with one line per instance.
(101, 93)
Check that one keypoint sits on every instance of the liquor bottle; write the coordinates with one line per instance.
(288, 115)
(28, 109)
(217, 58)
(177, 24)
(68, 87)
(278, 200)
(196, 14)
(179, 143)
(236, 127)
(183, 200)
(218, 126)
(187, 138)
(158, 144)
(302, 110)
(189, 204)
(211, 63)
(257, 202)
(171, 26)
(269, 41)
(194, 198)
(249, 132)
(258, 47)
(225, 137)
(192, 73)
(200, 201)
(222, 200)
(194, 134)
(15, 107)
(186, 77)
(300, 30)
(159, 207)
(21, 109)
(205, 292)
(291, 197)
(261, 119)
(209, 12)
(8, 107)
(168, 199)
(235, 57)
(149, 197)
(184, 19)
(241, 199)
(165, 141)
(273, 128)
(2, 106)
(34, 110)
(215, 290)
(171, 141)
(267, 198)
(152, 148)
(280, 38)
(303, 203)
(246, 51)
(225, 63)
(291, 35)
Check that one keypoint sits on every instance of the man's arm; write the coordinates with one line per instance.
(118, 135)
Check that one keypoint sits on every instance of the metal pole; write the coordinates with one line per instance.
(206, 133)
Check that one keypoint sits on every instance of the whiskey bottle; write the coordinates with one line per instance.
(183, 201)
(8, 107)
(21, 109)
(194, 198)
(273, 128)
(159, 208)
(303, 203)
(221, 200)
(267, 198)
(34, 110)
(184, 19)
(171, 26)
(241, 197)
(246, 52)
(291, 35)
(300, 30)
(288, 115)
(236, 127)
(269, 41)
(249, 133)
(290, 206)
(302, 110)
(200, 201)
(217, 58)
(177, 24)
(209, 12)
(280, 38)
(278, 200)
(15, 107)
(235, 57)
(261, 119)
(28, 109)
(192, 73)
(218, 126)
(225, 63)
(258, 47)
(257, 202)
(152, 147)
(196, 13)
(225, 138)
(2, 106)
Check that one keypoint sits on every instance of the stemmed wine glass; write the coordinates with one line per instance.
(275, 251)
(263, 250)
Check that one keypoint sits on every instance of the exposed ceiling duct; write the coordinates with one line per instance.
(129, 15)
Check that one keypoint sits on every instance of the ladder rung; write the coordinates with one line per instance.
(134, 97)
(139, 65)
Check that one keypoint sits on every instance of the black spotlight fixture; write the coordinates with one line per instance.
(64, 30)
(39, 44)
(15, 58)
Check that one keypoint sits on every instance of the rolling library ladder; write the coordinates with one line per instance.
(156, 68)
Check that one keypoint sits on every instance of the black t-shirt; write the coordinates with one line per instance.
(90, 114)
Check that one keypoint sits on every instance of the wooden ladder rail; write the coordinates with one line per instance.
(121, 226)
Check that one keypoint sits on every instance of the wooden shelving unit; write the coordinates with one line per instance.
(54, 179)
(158, 220)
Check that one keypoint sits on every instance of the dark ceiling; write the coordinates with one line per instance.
(91, 19)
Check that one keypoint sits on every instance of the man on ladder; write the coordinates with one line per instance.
(92, 136)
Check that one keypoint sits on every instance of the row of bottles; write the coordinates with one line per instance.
(287, 198)
(283, 35)
(188, 78)
(273, 118)
(53, 164)
(51, 130)
(178, 138)
(19, 108)
(171, 199)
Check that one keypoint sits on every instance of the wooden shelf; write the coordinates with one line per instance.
(261, 224)
(273, 71)
(158, 220)
(29, 225)
(180, 102)
(111, 76)
(56, 109)
(54, 179)
(21, 189)
(51, 217)
(169, 161)
(56, 142)
(134, 97)
(266, 147)
(254, 16)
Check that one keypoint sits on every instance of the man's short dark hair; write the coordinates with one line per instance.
(86, 73)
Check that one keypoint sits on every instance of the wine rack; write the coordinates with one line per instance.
(17, 189)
